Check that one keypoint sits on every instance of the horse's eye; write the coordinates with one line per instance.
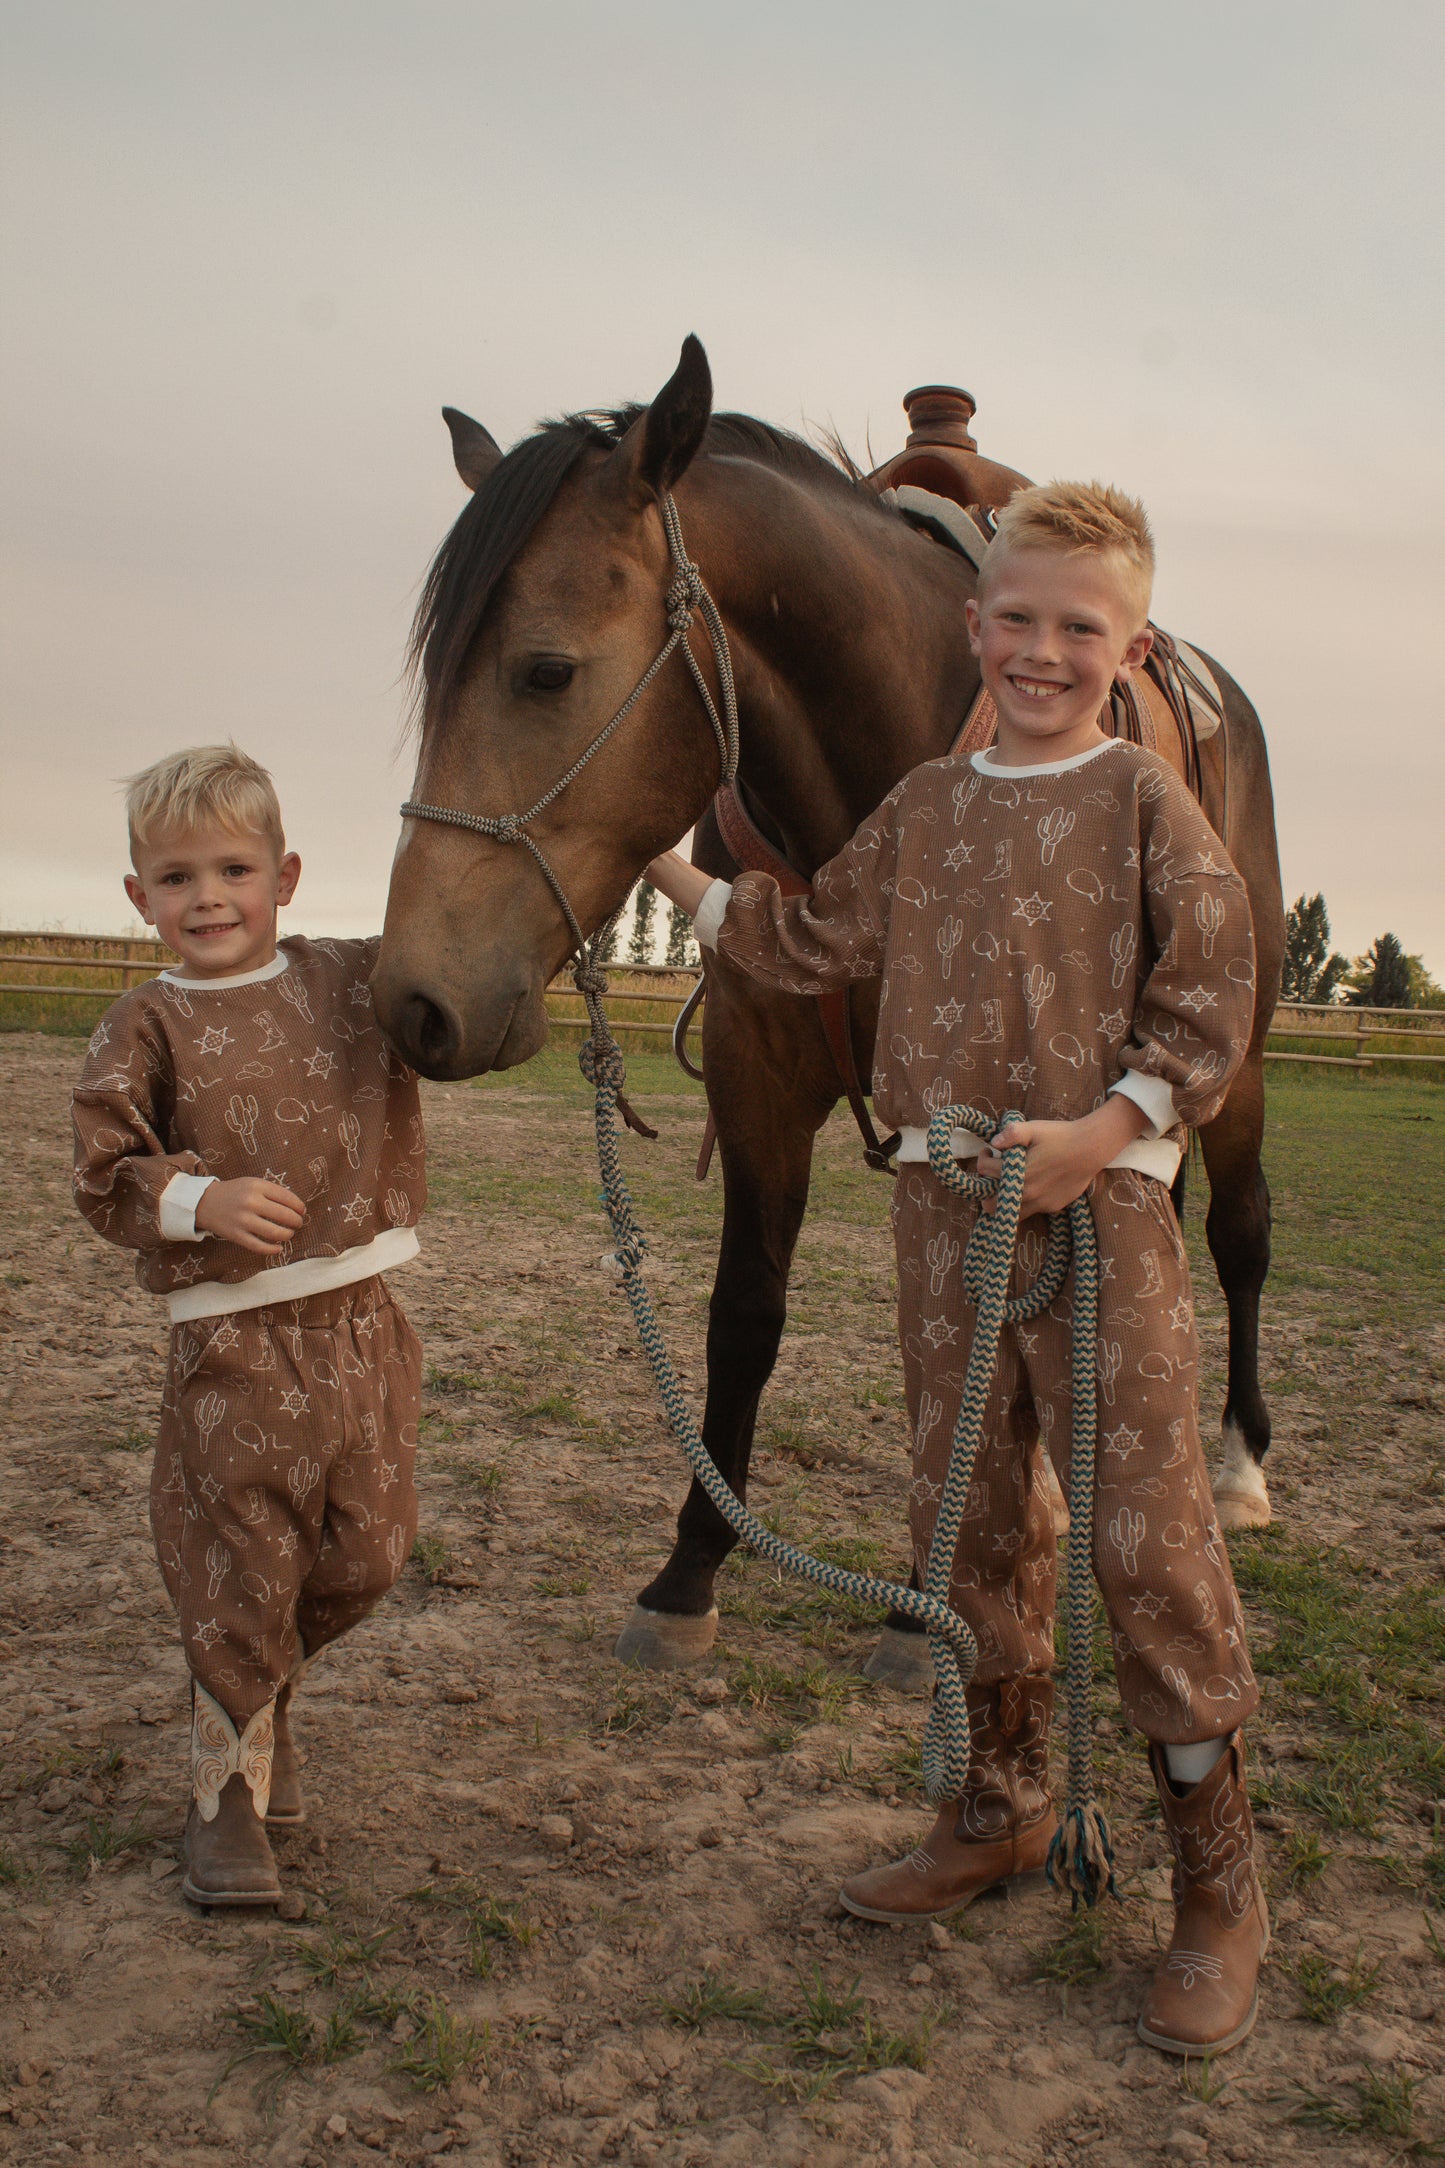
(549, 677)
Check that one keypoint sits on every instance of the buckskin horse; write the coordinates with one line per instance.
(542, 612)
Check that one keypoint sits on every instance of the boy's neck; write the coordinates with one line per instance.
(1013, 748)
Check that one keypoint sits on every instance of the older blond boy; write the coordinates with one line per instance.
(1057, 931)
(241, 1122)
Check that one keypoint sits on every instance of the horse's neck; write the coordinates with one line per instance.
(850, 648)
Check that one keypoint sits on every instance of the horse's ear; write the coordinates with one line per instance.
(475, 450)
(661, 444)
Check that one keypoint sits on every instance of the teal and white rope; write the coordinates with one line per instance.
(1081, 1859)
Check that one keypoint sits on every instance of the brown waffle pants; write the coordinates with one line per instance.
(282, 1499)
(1179, 1647)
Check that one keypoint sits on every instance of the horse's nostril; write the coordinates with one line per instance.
(433, 1032)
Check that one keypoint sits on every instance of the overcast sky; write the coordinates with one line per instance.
(250, 250)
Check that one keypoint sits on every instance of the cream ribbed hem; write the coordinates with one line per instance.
(1158, 1156)
(710, 913)
(179, 1199)
(292, 1283)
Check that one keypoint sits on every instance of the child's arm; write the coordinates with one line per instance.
(800, 944)
(130, 1188)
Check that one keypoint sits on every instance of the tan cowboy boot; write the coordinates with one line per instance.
(1203, 1997)
(1000, 1826)
(286, 1808)
(228, 1857)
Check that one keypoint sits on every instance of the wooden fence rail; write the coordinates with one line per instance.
(126, 960)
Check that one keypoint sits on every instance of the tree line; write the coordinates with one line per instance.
(1385, 977)
(679, 947)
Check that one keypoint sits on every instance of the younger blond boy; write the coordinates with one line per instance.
(241, 1122)
(1058, 931)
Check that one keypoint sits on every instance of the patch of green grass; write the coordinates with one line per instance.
(1332, 1234)
(834, 2036)
(814, 1694)
(335, 1952)
(1305, 1858)
(105, 1838)
(1371, 1654)
(713, 1997)
(484, 1476)
(559, 1406)
(454, 1381)
(1199, 2081)
(133, 1440)
(431, 1557)
(281, 2033)
(12, 1868)
(1384, 2105)
(1435, 1873)
(442, 2049)
(1079, 1952)
(1326, 1992)
(628, 1709)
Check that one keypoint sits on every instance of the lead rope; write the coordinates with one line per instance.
(1081, 1857)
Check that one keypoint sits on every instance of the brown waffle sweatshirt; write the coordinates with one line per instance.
(1044, 935)
(283, 1074)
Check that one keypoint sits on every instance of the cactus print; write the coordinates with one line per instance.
(282, 1499)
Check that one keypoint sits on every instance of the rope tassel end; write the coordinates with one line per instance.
(1081, 1857)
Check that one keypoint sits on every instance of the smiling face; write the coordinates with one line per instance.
(1052, 630)
(212, 894)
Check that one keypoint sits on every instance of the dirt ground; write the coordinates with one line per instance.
(546, 1911)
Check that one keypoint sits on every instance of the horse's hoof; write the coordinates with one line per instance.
(1241, 1495)
(901, 1661)
(665, 1640)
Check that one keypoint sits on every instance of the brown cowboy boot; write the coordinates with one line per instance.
(286, 1808)
(228, 1858)
(1203, 1997)
(1000, 1826)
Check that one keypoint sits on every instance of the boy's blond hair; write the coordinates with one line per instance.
(1085, 518)
(205, 786)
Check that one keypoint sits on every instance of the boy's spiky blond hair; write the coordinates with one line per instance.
(206, 785)
(1088, 518)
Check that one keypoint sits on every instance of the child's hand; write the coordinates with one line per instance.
(1064, 1157)
(260, 1216)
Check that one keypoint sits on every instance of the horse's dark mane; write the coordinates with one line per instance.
(491, 529)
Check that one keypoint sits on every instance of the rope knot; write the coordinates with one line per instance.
(509, 828)
(589, 978)
(602, 1065)
(683, 594)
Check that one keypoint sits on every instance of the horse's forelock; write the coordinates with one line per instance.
(493, 526)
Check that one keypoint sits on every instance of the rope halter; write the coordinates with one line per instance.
(686, 593)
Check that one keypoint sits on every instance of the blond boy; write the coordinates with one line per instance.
(1059, 932)
(241, 1122)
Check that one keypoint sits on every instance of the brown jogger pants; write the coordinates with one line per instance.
(1179, 1646)
(282, 1499)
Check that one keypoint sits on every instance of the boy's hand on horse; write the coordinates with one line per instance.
(1064, 1157)
(257, 1215)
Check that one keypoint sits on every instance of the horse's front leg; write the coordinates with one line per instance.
(1238, 1233)
(771, 1088)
